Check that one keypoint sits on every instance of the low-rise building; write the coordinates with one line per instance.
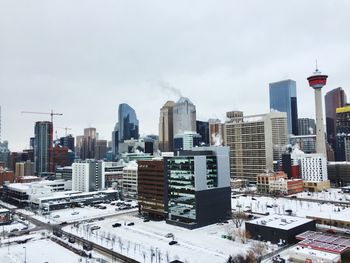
(277, 183)
(129, 182)
(278, 228)
(22, 194)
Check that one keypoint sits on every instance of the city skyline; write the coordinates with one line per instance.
(116, 59)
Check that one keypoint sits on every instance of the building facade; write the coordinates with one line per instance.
(306, 126)
(255, 143)
(150, 188)
(166, 135)
(186, 141)
(334, 99)
(128, 124)
(88, 176)
(216, 132)
(43, 147)
(129, 183)
(342, 137)
(198, 187)
(184, 116)
(283, 98)
(202, 128)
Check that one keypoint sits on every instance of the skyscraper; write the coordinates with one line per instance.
(203, 130)
(334, 99)
(166, 135)
(342, 148)
(88, 144)
(255, 142)
(306, 126)
(43, 143)
(184, 116)
(283, 98)
(101, 149)
(67, 141)
(128, 124)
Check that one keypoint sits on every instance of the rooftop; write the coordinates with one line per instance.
(280, 221)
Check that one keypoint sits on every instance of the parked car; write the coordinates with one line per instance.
(95, 228)
(71, 240)
(169, 235)
(173, 242)
(131, 224)
(87, 247)
(116, 225)
(146, 220)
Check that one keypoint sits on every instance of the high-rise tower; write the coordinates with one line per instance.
(166, 135)
(317, 81)
(43, 156)
(283, 98)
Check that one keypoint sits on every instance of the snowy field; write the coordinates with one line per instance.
(263, 204)
(331, 195)
(78, 214)
(143, 239)
(41, 250)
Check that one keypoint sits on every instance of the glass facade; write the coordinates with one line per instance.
(43, 157)
(181, 188)
(283, 98)
(128, 125)
(342, 147)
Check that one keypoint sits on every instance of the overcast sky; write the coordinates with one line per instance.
(83, 58)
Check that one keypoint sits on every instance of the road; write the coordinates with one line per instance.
(113, 255)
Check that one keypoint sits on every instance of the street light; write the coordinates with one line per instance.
(25, 254)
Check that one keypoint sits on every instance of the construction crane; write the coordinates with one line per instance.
(46, 113)
(65, 128)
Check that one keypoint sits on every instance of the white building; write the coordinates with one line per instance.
(129, 183)
(88, 175)
(186, 140)
(314, 168)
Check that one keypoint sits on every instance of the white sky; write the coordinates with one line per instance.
(84, 57)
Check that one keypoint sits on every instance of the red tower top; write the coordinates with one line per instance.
(317, 80)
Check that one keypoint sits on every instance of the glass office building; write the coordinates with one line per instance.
(197, 187)
(128, 124)
(283, 98)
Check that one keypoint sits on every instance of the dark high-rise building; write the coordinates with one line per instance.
(334, 99)
(283, 98)
(166, 133)
(61, 156)
(115, 141)
(306, 126)
(203, 130)
(67, 141)
(342, 137)
(43, 142)
(101, 149)
(128, 124)
(88, 144)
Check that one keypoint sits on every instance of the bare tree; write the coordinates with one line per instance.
(258, 248)
(167, 256)
(250, 257)
(151, 250)
(128, 247)
(144, 256)
(238, 217)
(120, 242)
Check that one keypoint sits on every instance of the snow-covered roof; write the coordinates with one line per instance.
(280, 221)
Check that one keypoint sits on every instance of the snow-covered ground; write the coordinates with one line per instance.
(331, 195)
(300, 208)
(199, 245)
(78, 213)
(40, 250)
